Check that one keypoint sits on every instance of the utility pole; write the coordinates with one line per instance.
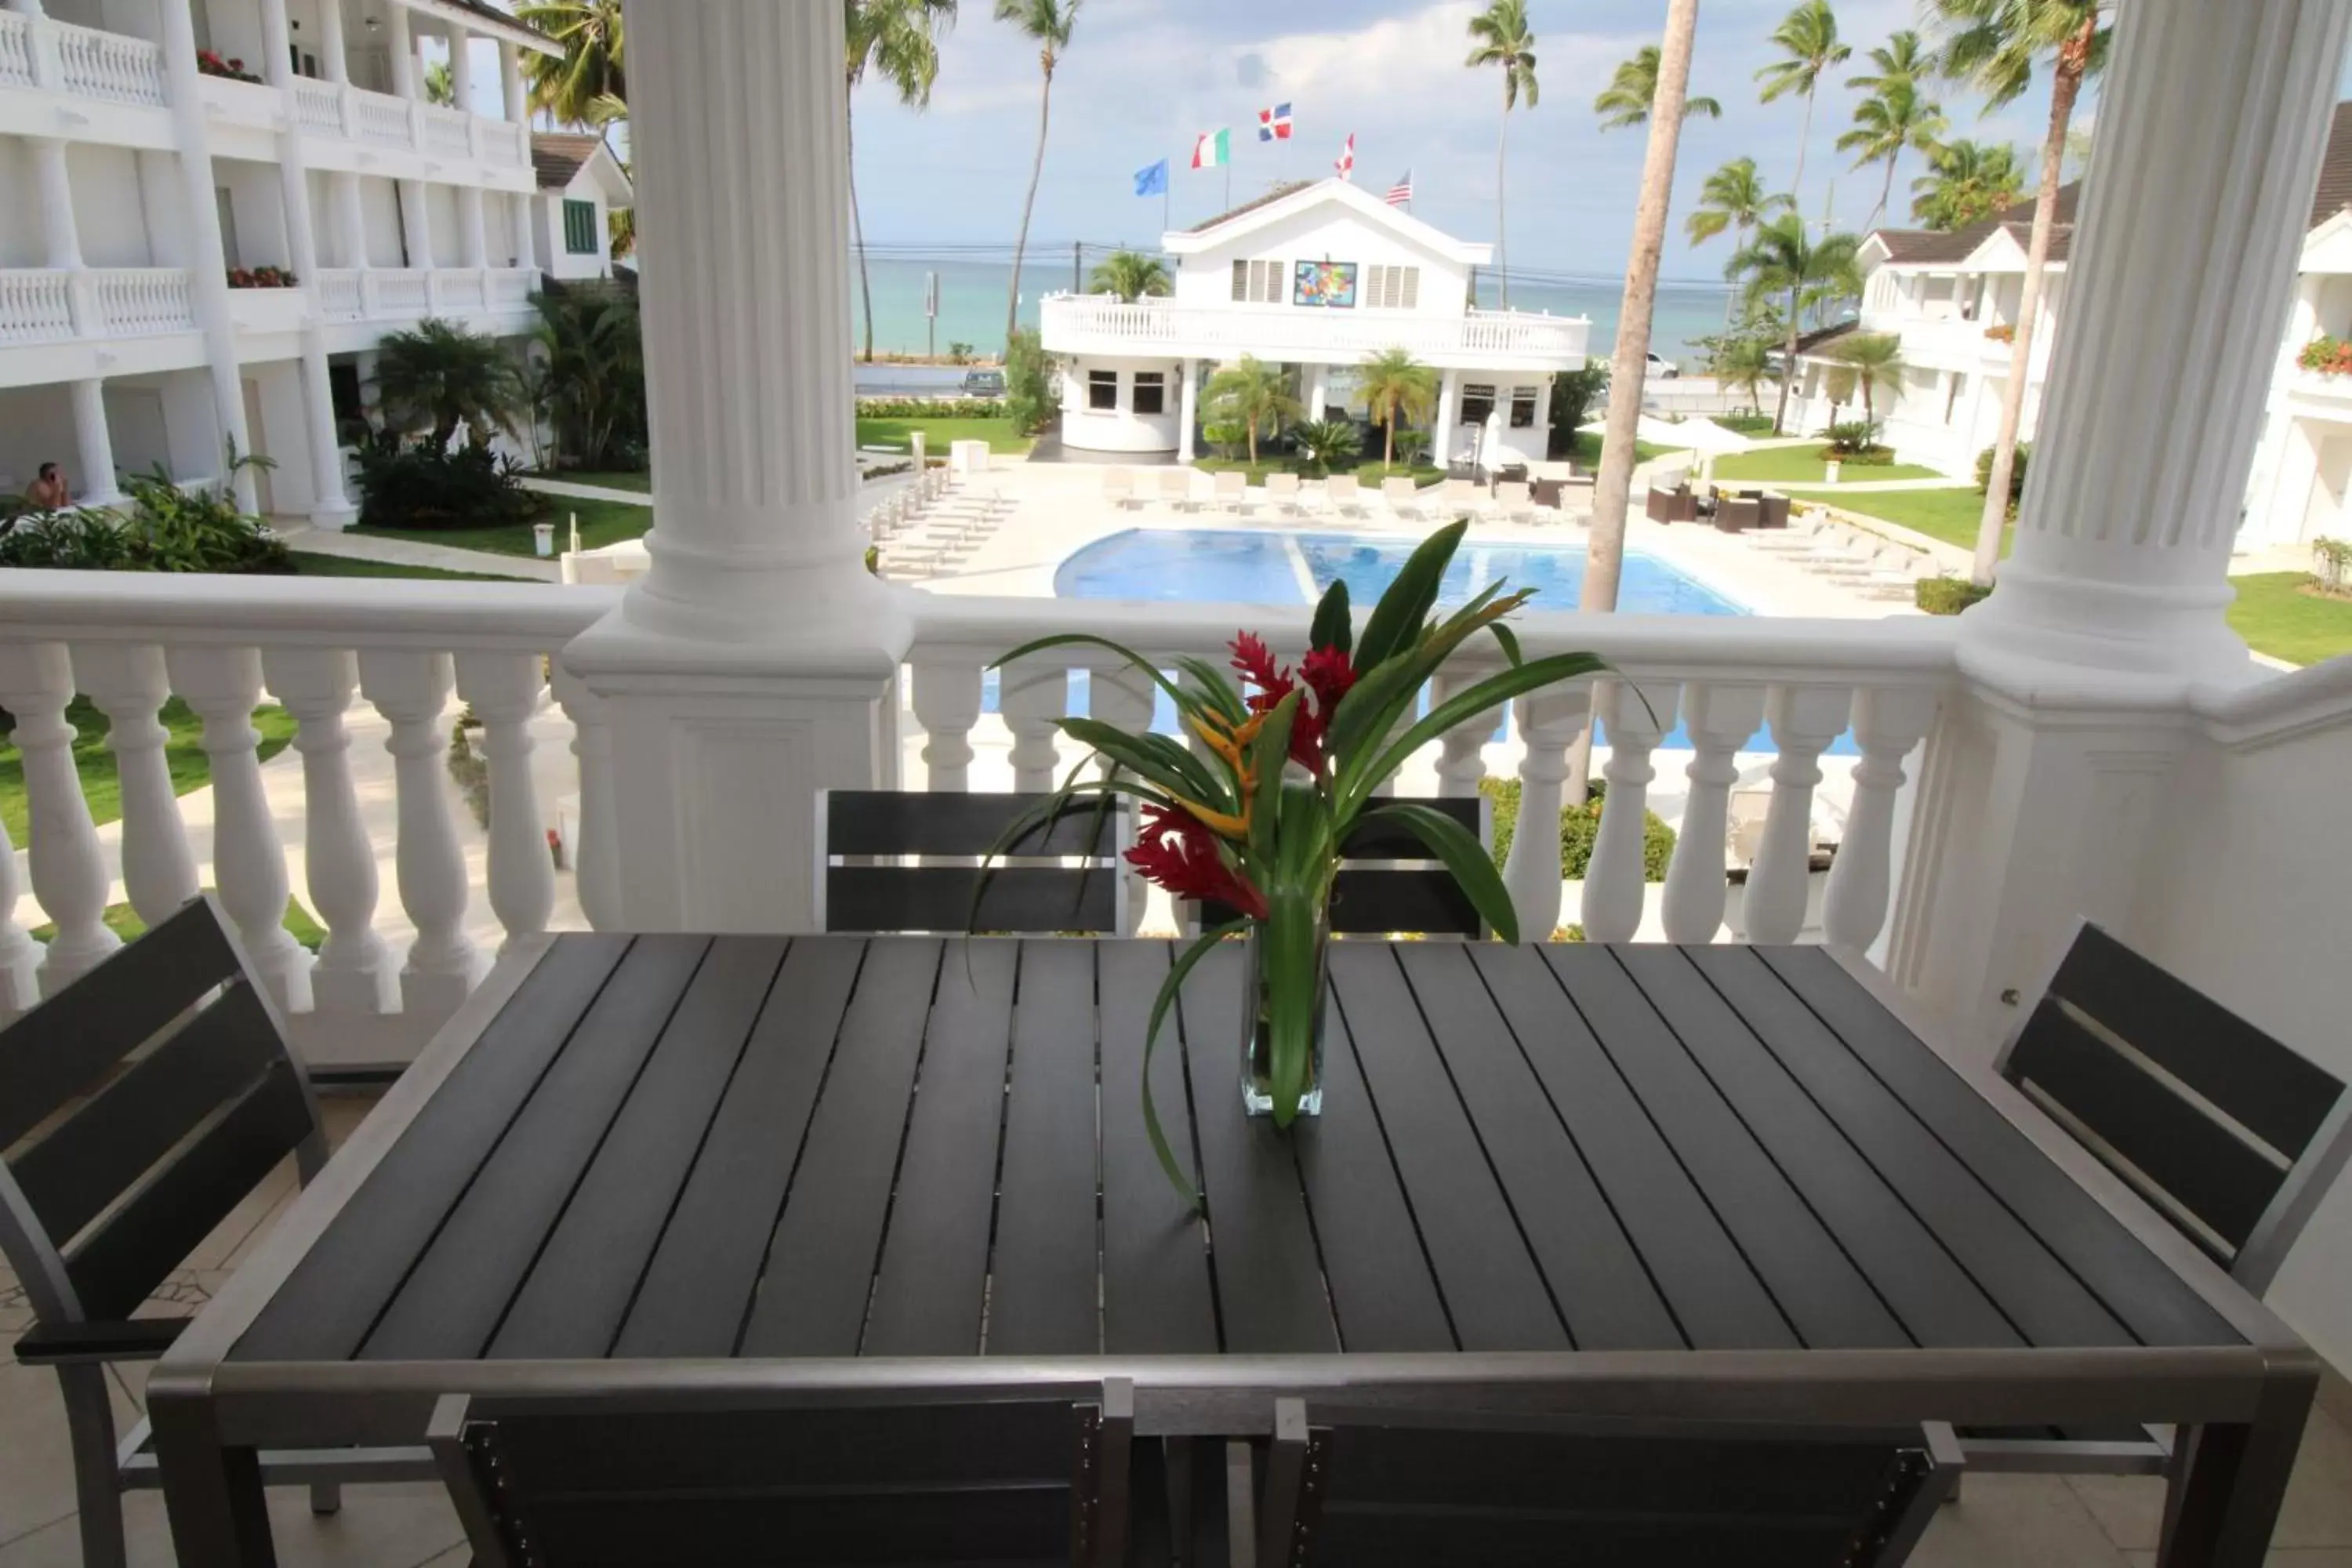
(1078, 266)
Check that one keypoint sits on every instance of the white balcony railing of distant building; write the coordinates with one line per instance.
(35, 305)
(459, 290)
(111, 65)
(384, 119)
(50, 305)
(137, 302)
(401, 291)
(16, 50)
(340, 298)
(448, 132)
(1103, 323)
(318, 106)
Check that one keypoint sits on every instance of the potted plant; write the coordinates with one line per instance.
(1293, 759)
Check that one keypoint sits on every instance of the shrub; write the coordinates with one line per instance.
(1853, 439)
(1328, 443)
(1867, 458)
(2016, 473)
(415, 484)
(1229, 438)
(959, 354)
(2331, 564)
(1947, 596)
(1573, 393)
(930, 408)
(1028, 382)
(1579, 826)
(166, 529)
(2328, 354)
(1412, 445)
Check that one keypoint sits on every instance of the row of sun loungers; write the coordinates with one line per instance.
(935, 523)
(1873, 566)
(1191, 490)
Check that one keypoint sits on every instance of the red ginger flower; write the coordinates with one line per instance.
(1177, 851)
(1329, 674)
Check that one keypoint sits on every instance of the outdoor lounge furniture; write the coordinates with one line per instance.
(1020, 1475)
(1118, 487)
(1551, 493)
(1176, 487)
(138, 1107)
(911, 861)
(1342, 494)
(1676, 505)
(1735, 514)
(1282, 492)
(1402, 496)
(1386, 1488)
(1514, 500)
(1231, 490)
(1388, 883)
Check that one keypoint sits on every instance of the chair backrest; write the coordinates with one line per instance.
(1512, 493)
(1340, 487)
(1117, 481)
(1372, 1487)
(1282, 484)
(1397, 488)
(1460, 492)
(138, 1107)
(1031, 1476)
(1062, 875)
(2229, 1133)
(1388, 881)
(1176, 482)
(1232, 482)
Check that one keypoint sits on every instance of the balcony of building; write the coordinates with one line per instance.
(1474, 340)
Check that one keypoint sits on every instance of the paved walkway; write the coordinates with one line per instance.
(1856, 487)
(587, 493)
(414, 552)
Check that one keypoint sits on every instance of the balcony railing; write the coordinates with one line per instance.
(16, 50)
(318, 106)
(35, 305)
(135, 301)
(110, 65)
(382, 120)
(39, 304)
(340, 296)
(404, 292)
(448, 132)
(1103, 325)
(461, 290)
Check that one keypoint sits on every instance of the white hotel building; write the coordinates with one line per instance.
(135, 183)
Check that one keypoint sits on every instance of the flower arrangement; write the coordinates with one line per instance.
(2328, 354)
(261, 278)
(1290, 761)
(208, 63)
(2001, 332)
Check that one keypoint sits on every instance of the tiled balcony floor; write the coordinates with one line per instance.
(2001, 1521)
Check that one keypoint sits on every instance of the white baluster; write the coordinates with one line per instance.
(1887, 723)
(1031, 695)
(596, 858)
(224, 686)
(1719, 719)
(505, 690)
(412, 691)
(1614, 883)
(355, 973)
(20, 955)
(946, 699)
(1124, 697)
(128, 684)
(1462, 751)
(69, 873)
(1549, 723)
(1804, 721)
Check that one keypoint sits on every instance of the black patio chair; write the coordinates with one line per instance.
(1387, 880)
(719, 1478)
(905, 860)
(138, 1107)
(1387, 1488)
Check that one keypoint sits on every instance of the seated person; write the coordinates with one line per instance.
(47, 492)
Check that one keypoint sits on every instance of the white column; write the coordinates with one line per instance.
(354, 972)
(513, 105)
(1719, 719)
(412, 691)
(1031, 695)
(330, 507)
(519, 204)
(334, 52)
(416, 222)
(504, 689)
(1440, 435)
(1124, 697)
(461, 68)
(596, 858)
(207, 262)
(473, 239)
(1804, 719)
(1615, 883)
(70, 878)
(1886, 725)
(400, 43)
(97, 479)
(946, 698)
(758, 645)
(128, 684)
(60, 232)
(1319, 390)
(224, 686)
(1189, 410)
(1549, 723)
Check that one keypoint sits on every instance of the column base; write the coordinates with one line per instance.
(113, 501)
(430, 999)
(2132, 639)
(334, 519)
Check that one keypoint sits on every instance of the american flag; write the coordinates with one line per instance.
(1401, 192)
(1345, 163)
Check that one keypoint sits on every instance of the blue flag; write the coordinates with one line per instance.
(1152, 182)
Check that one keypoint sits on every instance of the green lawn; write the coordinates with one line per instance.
(309, 564)
(601, 522)
(2276, 616)
(937, 433)
(643, 483)
(1950, 515)
(1804, 465)
(124, 921)
(1585, 450)
(182, 755)
(1745, 424)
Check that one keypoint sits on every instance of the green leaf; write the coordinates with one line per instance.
(1472, 868)
(1460, 708)
(1508, 640)
(1408, 600)
(1385, 691)
(1154, 763)
(1331, 627)
(1216, 687)
(1186, 1188)
(1186, 701)
(1267, 754)
(1015, 831)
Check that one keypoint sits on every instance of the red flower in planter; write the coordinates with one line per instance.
(1330, 675)
(1177, 851)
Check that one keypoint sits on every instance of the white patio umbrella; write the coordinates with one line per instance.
(1703, 436)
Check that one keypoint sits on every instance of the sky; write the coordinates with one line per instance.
(1142, 78)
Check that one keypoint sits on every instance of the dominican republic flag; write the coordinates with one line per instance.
(1273, 124)
(1345, 163)
(1213, 150)
(1402, 191)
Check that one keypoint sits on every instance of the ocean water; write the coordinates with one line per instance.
(972, 294)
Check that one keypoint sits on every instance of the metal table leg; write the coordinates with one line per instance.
(213, 1494)
(2227, 1482)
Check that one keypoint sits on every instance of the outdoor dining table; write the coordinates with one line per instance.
(1714, 1182)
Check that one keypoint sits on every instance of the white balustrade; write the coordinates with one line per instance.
(318, 106)
(382, 119)
(69, 873)
(16, 70)
(35, 305)
(111, 65)
(505, 690)
(508, 287)
(340, 298)
(128, 683)
(1104, 323)
(412, 691)
(1462, 751)
(137, 302)
(947, 701)
(354, 974)
(1549, 722)
(401, 291)
(448, 132)
(1615, 879)
(1720, 720)
(1804, 721)
(1124, 697)
(1887, 724)
(502, 141)
(1031, 694)
(596, 858)
(462, 288)
(20, 955)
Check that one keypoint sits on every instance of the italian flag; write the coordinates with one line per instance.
(1213, 149)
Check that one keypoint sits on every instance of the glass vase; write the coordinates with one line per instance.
(1283, 997)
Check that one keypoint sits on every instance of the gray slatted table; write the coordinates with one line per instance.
(1709, 1182)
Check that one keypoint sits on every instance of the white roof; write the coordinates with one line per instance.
(1345, 193)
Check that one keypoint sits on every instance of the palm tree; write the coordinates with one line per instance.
(1902, 58)
(1808, 35)
(1328, 443)
(1396, 386)
(1251, 394)
(1050, 23)
(1965, 181)
(1626, 101)
(1892, 120)
(900, 39)
(1783, 258)
(1876, 360)
(593, 355)
(1994, 46)
(1733, 198)
(588, 84)
(1130, 275)
(1501, 37)
(439, 376)
(1745, 364)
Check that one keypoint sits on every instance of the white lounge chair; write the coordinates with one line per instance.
(1176, 489)
(1118, 487)
(1403, 497)
(1232, 492)
(1282, 492)
(1459, 497)
(1515, 501)
(1342, 494)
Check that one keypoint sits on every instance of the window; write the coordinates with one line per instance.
(1523, 408)
(1150, 392)
(1102, 389)
(1477, 403)
(1328, 284)
(1257, 282)
(1391, 287)
(580, 228)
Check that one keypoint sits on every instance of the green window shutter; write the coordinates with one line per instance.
(580, 228)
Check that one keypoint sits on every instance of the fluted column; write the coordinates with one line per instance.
(412, 691)
(36, 681)
(1804, 721)
(355, 972)
(1549, 723)
(504, 689)
(1615, 881)
(1719, 719)
(128, 684)
(946, 698)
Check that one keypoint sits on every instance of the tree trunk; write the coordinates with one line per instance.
(1036, 169)
(1886, 193)
(1796, 186)
(857, 228)
(1788, 364)
(1388, 436)
(2066, 82)
(1502, 263)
